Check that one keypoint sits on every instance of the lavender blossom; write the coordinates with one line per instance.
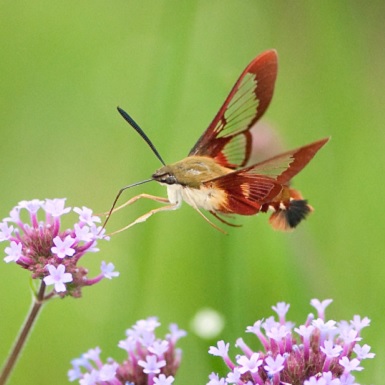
(319, 352)
(150, 361)
(38, 243)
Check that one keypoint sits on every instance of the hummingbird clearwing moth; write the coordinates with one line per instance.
(215, 175)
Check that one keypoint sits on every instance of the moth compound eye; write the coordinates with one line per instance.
(165, 177)
(169, 179)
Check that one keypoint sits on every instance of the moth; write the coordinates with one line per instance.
(215, 176)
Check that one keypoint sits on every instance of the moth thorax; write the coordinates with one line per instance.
(190, 172)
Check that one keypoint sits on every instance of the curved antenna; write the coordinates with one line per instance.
(136, 127)
(117, 197)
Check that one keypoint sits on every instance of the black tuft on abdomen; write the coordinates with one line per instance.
(297, 210)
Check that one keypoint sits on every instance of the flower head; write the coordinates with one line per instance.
(38, 243)
(319, 352)
(154, 363)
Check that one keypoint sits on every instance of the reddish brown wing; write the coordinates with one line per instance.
(227, 139)
(245, 192)
(251, 187)
(285, 166)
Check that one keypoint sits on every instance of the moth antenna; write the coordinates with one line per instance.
(117, 197)
(136, 127)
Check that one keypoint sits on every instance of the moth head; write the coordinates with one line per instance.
(165, 175)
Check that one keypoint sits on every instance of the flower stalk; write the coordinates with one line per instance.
(37, 304)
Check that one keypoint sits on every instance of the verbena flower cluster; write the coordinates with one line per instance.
(150, 361)
(49, 252)
(319, 352)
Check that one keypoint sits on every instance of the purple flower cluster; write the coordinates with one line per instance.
(319, 352)
(150, 361)
(49, 252)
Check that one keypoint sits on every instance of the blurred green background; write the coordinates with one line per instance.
(64, 68)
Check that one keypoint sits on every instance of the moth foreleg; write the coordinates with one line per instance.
(144, 217)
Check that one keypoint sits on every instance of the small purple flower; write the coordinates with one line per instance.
(350, 365)
(147, 338)
(362, 352)
(175, 333)
(221, 350)
(350, 336)
(55, 207)
(49, 252)
(155, 364)
(163, 380)
(108, 371)
(13, 252)
(234, 377)
(151, 364)
(91, 378)
(330, 349)
(321, 306)
(256, 329)
(249, 364)
(147, 325)
(281, 309)
(85, 216)
(83, 233)
(359, 323)
(58, 277)
(319, 352)
(305, 331)
(329, 380)
(215, 380)
(63, 247)
(93, 355)
(239, 343)
(346, 379)
(159, 347)
(274, 365)
(107, 270)
(5, 231)
(32, 206)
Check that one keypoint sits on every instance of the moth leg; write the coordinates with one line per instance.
(137, 197)
(195, 207)
(224, 220)
(144, 217)
(208, 221)
(131, 201)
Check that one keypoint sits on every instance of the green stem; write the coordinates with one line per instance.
(23, 335)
